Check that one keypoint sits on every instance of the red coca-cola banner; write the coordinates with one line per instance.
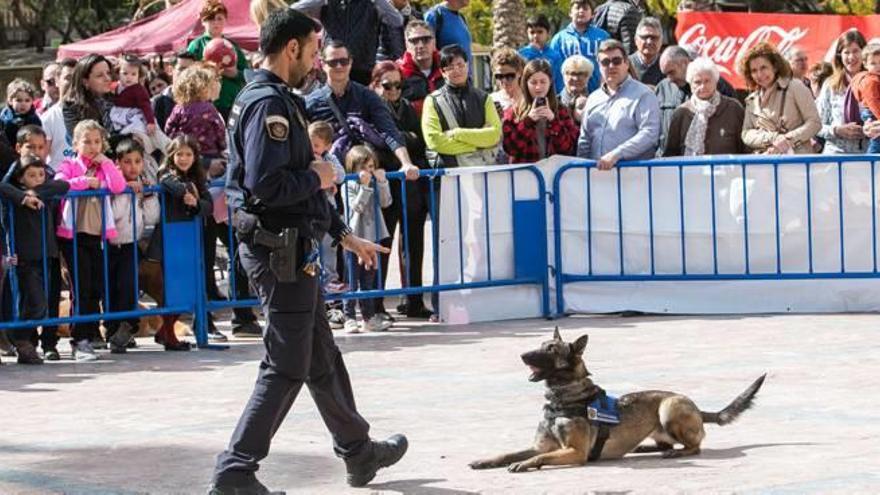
(725, 37)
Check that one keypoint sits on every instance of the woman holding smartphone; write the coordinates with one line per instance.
(538, 126)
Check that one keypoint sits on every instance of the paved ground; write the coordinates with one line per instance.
(151, 422)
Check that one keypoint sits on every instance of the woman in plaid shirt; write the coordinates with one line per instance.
(538, 126)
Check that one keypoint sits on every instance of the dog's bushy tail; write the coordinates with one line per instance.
(739, 405)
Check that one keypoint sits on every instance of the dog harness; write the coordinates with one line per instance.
(602, 413)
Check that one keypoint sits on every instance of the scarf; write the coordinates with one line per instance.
(695, 140)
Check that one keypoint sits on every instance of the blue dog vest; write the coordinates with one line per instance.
(603, 410)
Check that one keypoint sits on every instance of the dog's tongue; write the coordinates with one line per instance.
(534, 369)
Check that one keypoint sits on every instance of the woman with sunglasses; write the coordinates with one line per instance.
(387, 82)
(507, 67)
(538, 126)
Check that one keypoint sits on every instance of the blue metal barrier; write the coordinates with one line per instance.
(530, 221)
(182, 295)
(710, 165)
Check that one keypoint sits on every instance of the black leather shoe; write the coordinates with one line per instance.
(362, 467)
(249, 328)
(252, 488)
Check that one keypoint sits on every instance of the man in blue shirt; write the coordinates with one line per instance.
(622, 118)
(538, 29)
(450, 27)
(578, 38)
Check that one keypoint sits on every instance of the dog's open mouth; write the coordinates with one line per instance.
(536, 373)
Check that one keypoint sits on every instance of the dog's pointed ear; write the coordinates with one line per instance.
(556, 335)
(580, 344)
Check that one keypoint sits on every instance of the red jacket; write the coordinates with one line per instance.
(415, 85)
(136, 96)
(520, 141)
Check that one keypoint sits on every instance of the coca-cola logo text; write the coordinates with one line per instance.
(727, 50)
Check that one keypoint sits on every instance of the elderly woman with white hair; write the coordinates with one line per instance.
(576, 73)
(708, 123)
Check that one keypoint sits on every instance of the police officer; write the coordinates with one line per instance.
(280, 215)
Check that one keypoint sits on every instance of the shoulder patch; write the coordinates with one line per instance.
(278, 127)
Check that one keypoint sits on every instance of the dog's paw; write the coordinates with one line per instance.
(482, 464)
(519, 467)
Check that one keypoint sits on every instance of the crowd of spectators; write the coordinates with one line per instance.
(394, 92)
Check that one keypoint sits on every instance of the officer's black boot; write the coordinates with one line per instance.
(253, 487)
(362, 467)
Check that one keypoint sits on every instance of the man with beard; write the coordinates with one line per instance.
(275, 187)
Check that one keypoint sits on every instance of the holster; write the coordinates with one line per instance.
(284, 251)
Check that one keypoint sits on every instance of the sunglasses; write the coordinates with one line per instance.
(388, 85)
(421, 40)
(615, 61)
(337, 62)
(510, 76)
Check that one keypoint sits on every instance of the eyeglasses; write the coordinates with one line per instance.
(615, 61)
(648, 37)
(337, 62)
(388, 85)
(509, 76)
(455, 66)
(421, 40)
(577, 74)
(49, 82)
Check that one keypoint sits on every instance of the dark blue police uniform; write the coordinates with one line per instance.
(270, 176)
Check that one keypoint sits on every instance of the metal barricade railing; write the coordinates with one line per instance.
(431, 179)
(180, 255)
(768, 167)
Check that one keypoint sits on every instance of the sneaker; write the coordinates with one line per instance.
(335, 287)
(214, 335)
(336, 318)
(27, 353)
(377, 324)
(250, 328)
(119, 341)
(6, 347)
(361, 468)
(351, 326)
(84, 352)
(51, 354)
(132, 343)
(385, 316)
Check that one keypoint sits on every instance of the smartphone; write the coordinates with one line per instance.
(540, 101)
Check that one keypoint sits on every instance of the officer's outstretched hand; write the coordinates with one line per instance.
(366, 251)
(325, 172)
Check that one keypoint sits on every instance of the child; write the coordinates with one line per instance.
(132, 111)
(194, 114)
(321, 136)
(32, 140)
(28, 193)
(866, 89)
(365, 223)
(91, 169)
(184, 181)
(122, 266)
(20, 110)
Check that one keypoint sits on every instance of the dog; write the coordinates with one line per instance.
(566, 436)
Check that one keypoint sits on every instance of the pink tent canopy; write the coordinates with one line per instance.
(168, 31)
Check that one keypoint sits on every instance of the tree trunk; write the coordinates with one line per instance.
(509, 23)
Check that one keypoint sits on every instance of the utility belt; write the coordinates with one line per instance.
(289, 249)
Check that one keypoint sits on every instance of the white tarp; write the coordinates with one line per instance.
(827, 295)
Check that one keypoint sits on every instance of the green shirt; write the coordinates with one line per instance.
(229, 86)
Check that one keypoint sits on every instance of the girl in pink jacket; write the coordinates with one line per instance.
(90, 219)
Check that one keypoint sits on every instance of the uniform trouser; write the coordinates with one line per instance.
(299, 350)
(88, 272)
(122, 276)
